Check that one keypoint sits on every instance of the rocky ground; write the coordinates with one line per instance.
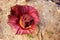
(47, 29)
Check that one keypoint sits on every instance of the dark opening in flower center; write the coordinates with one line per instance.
(27, 24)
(26, 21)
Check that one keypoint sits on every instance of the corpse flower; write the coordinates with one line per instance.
(23, 19)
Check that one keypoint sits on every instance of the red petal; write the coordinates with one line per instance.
(34, 13)
(16, 12)
(28, 31)
(12, 19)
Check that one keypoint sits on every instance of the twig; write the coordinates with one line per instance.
(41, 36)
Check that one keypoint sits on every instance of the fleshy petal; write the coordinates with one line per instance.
(19, 10)
(34, 13)
(12, 18)
(26, 31)
(14, 27)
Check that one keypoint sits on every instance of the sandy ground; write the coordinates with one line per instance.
(49, 20)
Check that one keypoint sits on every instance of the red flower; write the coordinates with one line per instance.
(23, 19)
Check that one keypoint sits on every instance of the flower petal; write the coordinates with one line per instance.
(19, 10)
(12, 18)
(28, 31)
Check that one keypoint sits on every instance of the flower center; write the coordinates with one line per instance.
(26, 21)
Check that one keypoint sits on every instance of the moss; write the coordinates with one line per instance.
(29, 35)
